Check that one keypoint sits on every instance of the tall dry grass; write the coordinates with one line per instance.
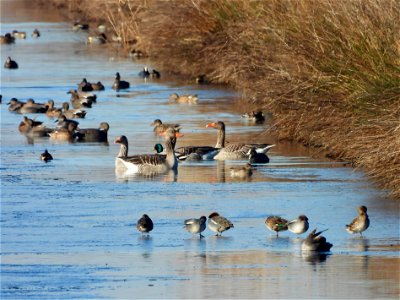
(329, 70)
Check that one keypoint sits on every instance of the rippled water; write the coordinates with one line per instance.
(68, 226)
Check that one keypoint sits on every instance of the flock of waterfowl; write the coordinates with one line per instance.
(68, 129)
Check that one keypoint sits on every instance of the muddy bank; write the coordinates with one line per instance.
(328, 72)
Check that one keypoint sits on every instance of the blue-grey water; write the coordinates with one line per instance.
(68, 226)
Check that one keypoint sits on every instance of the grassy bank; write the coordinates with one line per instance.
(329, 71)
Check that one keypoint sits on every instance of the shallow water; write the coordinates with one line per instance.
(68, 226)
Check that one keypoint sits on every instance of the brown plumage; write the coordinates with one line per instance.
(276, 223)
(145, 224)
(360, 223)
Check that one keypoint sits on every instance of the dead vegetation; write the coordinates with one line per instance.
(328, 70)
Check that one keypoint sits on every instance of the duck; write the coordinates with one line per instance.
(97, 39)
(51, 111)
(26, 124)
(102, 28)
(160, 127)
(19, 34)
(144, 73)
(255, 116)
(31, 107)
(72, 113)
(196, 226)
(257, 158)
(85, 86)
(63, 122)
(276, 224)
(316, 242)
(234, 150)
(360, 223)
(94, 134)
(242, 172)
(149, 163)
(79, 100)
(158, 148)
(10, 64)
(35, 33)
(190, 99)
(97, 86)
(155, 74)
(80, 26)
(7, 39)
(218, 223)
(64, 134)
(32, 128)
(14, 105)
(299, 225)
(202, 79)
(145, 224)
(46, 156)
(120, 84)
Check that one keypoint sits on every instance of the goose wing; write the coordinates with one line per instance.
(146, 159)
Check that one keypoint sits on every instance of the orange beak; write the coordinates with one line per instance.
(210, 125)
(177, 134)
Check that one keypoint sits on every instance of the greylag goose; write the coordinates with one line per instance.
(72, 113)
(234, 150)
(46, 156)
(242, 172)
(218, 223)
(36, 33)
(10, 64)
(79, 100)
(276, 224)
(160, 127)
(120, 84)
(316, 242)
(149, 163)
(257, 158)
(64, 134)
(254, 116)
(145, 224)
(94, 134)
(191, 99)
(360, 223)
(53, 112)
(196, 226)
(299, 225)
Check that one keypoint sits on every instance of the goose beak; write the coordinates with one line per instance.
(210, 125)
(178, 134)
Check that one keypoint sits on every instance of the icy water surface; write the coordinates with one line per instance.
(68, 226)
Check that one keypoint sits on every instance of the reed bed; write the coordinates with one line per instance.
(328, 70)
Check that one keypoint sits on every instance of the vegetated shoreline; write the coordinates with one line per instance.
(327, 70)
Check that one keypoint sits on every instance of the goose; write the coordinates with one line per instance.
(35, 33)
(10, 64)
(120, 84)
(160, 127)
(26, 124)
(72, 113)
(299, 225)
(149, 163)
(196, 226)
(234, 150)
(276, 224)
(257, 158)
(64, 134)
(242, 172)
(81, 99)
(46, 156)
(145, 224)
(316, 242)
(53, 112)
(190, 99)
(254, 116)
(94, 134)
(360, 223)
(218, 223)
(7, 39)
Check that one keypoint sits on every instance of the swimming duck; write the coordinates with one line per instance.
(53, 112)
(149, 163)
(72, 113)
(257, 158)
(299, 225)
(276, 224)
(63, 122)
(360, 223)
(19, 34)
(80, 26)
(234, 150)
(31, 107)
(7, 39)
(155, 74)
(26, 124)
(218, 223)
(86, 86)
(10, 64)
(102, 28)
(254, 116)
(97, 39)
(94, 134)
(64, 134)
(242, 172)
(145, 224)
(32, 128)
(202, 79)
(160, 127)
(14, 105)
(196, 226)
(316, 242)
(120, 84)
(81, 99)
(144, 73)
(35, 33)
(190, 99)
(46, 156)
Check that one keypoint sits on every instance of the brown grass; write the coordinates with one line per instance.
(328, 70)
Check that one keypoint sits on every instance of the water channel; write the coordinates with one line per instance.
(68, 226)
